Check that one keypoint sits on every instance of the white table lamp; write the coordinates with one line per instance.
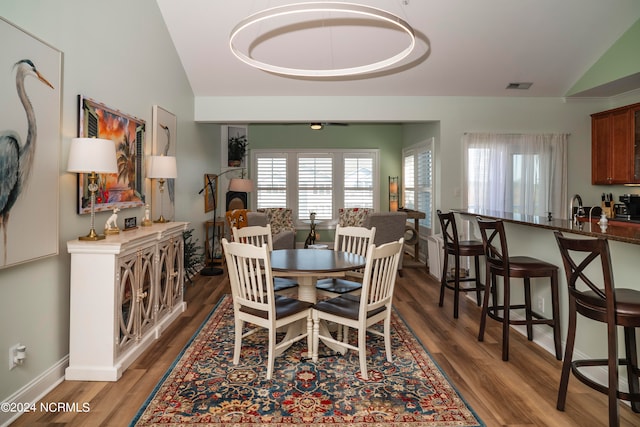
(162, 168)
(92, 156)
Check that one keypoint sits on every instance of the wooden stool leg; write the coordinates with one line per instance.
(456, 287)
(488, 289)
(505, 318)
(632, 365)
(477, 276)
(613, 384)
(443, 278)
(527, 308)
(555, 306)
(568, 356)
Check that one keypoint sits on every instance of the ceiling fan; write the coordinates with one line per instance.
(317, 125)
(321, 125)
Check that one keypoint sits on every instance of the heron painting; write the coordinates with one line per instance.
(29, 146)
(164, 143)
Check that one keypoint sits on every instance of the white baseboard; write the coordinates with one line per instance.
(35, 390)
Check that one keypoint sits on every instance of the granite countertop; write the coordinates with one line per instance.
(620, 230)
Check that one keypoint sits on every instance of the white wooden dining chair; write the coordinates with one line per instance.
(250, 275)
(354, 240)
(257, 235)
(361, 312)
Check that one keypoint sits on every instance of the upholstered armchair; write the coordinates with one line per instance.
(281, 221)
(390, 226)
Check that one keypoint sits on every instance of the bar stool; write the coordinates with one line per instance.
(458, 248)
(499, 263)
(610, 305)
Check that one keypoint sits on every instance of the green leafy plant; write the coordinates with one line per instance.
(237, 148)
(193, 255)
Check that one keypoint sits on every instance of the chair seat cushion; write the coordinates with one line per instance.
(524, 266)
(285, 306)
(627, 305)
(347, 306)
(282, 283)
(337, 285)
(467, 248)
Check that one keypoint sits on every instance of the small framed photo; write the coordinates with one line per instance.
(130, 223)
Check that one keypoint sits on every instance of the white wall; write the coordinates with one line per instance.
(118, 53)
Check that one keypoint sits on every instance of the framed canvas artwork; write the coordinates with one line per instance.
(30, 101)
(118, 190)
(165, 139)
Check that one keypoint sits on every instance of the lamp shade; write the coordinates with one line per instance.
(92, 155)
(162, 167)
(241, 185)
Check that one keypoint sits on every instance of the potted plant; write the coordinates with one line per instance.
(237, 149)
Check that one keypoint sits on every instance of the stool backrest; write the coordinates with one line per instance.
(494, 240)
(577, 255)
(449, 229)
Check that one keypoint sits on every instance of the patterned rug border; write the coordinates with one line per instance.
(222, 300)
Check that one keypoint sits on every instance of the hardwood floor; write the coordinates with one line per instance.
(521, 392)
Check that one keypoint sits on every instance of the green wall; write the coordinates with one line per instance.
(388, 138)
(620, 61)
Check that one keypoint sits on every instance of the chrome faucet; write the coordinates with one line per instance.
(579, 211)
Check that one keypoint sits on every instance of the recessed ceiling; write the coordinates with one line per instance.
(465, 48)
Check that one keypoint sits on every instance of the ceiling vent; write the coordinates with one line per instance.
(520, 85)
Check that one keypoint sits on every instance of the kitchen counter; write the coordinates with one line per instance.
(619, 230)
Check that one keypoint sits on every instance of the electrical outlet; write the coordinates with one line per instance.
(541, 304)
(13, 351)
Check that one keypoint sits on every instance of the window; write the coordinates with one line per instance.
(417, 180)
(271, 181)
(523, 174)
(315, 186)
(358, 181)
(308, 181)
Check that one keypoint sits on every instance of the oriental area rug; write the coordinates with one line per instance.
(204, 388)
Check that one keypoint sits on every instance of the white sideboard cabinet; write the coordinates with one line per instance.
(125, 290)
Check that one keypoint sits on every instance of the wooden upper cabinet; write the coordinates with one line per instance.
(615, 146)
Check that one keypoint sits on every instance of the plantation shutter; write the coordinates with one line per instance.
(358, 182)
(315, 186)
(271, 181)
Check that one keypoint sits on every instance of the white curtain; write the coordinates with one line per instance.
(519, 173)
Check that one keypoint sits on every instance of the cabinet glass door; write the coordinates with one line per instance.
(146, 294)
(164, 276)
(178, 261)
(126, 300)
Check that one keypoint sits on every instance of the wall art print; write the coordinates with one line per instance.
(165, 139)
(210, 191)
(30, 101)
(118, 190)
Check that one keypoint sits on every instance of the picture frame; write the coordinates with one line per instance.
(130, 223)
(164, 140)
(230, 132)
(36, 130)
(124, 189)
(210, 197)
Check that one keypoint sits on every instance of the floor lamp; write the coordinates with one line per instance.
(236, 184)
